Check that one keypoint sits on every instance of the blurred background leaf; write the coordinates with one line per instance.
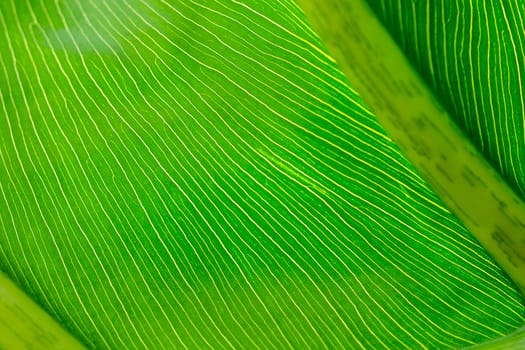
(472, 54)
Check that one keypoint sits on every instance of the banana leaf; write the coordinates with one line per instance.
(200, 174)
(472, 54)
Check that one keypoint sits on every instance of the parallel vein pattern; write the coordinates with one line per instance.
(472, 53)
(198, 174)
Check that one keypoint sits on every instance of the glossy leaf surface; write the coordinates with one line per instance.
(198, 174)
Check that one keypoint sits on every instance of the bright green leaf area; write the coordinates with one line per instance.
(199, 174)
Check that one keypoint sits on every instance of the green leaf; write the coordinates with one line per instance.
(472, 54)
(199, 174)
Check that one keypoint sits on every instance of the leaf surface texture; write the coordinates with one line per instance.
(199, 174)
